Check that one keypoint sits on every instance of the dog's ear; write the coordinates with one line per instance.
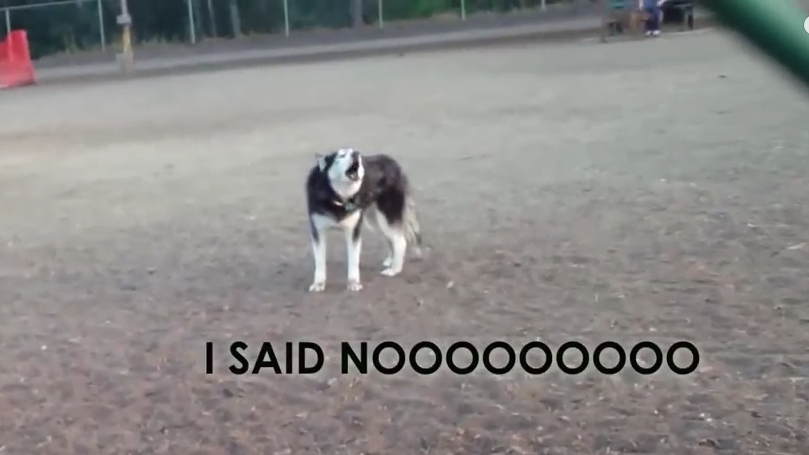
(321, 161)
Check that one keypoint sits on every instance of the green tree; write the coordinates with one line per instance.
(74, 25)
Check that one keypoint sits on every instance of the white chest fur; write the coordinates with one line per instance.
(323, 223)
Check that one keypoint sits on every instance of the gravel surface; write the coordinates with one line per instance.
(645, 190)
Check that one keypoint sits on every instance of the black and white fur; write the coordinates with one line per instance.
(347, 190)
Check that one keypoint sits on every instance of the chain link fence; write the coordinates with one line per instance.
(68, 26)
(65, 24)
(229, 18)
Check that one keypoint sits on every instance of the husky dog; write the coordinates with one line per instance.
(345, 190)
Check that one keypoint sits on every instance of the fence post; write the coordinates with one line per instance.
(463, 10)
(101, 31)
(212, 16)
(8, 22)
(191, 21)
(235, 19)
(379, 6)
(542, 6)
(286, 17)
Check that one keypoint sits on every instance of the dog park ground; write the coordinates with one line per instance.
(648, 190)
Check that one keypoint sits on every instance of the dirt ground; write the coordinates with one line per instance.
(648, 190)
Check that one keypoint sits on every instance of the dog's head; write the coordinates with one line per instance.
(344, 169)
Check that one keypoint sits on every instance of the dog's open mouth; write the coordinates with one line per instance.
(353, 171)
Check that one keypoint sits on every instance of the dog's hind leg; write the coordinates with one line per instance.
(407, 227)
(397, 244)
(389, 258)
(412, 230)
(318, 226)
(373, 215)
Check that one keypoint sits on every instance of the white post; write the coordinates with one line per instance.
(191, 22)
(101, 32)
(212, 15)
(381, 16)
(463, 10)
(543, 7)
(286, 17)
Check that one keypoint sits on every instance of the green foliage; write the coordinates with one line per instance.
(414, 9)
(76, 25)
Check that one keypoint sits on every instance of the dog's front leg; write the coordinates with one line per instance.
(353, 251)
(319, 252)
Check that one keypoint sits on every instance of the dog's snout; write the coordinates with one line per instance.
(355, 155)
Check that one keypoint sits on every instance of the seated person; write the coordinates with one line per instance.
(652, 10)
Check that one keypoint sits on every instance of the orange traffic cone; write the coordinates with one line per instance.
(16, 67)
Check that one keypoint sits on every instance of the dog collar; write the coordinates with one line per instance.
(348, 204)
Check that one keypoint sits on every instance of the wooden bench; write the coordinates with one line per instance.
(621, 16)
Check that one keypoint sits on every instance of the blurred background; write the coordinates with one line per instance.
(81, 25)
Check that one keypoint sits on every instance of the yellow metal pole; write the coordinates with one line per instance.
(127, 56)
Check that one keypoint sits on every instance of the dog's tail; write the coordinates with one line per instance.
(411, 225)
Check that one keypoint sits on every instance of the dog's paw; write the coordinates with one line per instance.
(354, 286)
(317, 286)
(387, 262)
(390, 272)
